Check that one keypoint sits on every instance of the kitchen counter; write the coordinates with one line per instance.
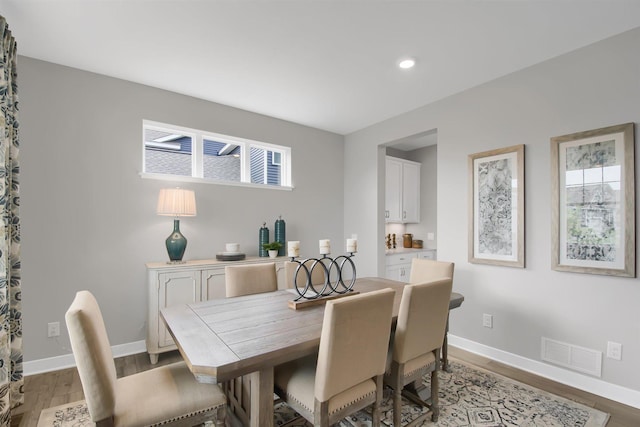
(402, 250)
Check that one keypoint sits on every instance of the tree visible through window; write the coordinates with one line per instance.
(171, 150)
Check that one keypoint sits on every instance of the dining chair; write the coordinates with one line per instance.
(250, 279)
(168, 395)
(318, 274)
(347, 373)
(415, 349)
(423, 270)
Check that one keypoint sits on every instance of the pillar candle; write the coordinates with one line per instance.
(293, 248)
(352, 245)
(325, 247)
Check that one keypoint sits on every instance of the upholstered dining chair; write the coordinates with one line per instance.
(415, 350)
(347, 374)
(318, 274)
(250, 279)
(423, 270)
(167, 395)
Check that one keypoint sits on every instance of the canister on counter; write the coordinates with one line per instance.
(407, 240)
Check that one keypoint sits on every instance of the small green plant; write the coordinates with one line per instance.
(273, 246)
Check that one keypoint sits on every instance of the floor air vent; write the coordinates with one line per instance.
(572, 356)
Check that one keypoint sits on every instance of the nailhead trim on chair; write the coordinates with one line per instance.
(290, 397)
(352, 402)
(189, 415)
(407, 374)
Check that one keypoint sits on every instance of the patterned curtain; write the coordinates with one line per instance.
(11, 380)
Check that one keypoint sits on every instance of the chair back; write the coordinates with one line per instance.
(92, 352)
(317, 274)
(250, 279)
(422, 319)
(353, 342)
(424, 270)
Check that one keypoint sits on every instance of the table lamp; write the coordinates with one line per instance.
(176, 202)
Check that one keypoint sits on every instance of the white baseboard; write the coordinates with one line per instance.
(583, 382)
(67, 361)
(618, 393)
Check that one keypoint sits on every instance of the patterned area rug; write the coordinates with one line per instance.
(469, 396)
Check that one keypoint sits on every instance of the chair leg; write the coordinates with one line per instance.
(376, 405)
(435, 410)
(221, 416)
(397, 405)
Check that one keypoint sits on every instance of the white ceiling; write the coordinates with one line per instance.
(326, 64)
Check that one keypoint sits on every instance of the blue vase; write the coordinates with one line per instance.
(176, 243)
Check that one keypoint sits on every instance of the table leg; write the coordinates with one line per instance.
(262, 398)
(445, 360)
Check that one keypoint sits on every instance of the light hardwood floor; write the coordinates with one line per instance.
(59, 387)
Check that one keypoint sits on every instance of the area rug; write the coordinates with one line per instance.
(469, 397)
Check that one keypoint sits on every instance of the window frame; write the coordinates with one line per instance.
(197, 157)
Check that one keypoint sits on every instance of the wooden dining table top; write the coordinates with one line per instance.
(221, 339)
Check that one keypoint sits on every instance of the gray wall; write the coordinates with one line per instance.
(88, 218)
(428, 159)
(587, 89)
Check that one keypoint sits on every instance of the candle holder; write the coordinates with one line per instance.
(330, 288)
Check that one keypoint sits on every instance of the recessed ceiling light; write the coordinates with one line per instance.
(407, 63)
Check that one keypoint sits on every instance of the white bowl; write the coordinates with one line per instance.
(232, 247)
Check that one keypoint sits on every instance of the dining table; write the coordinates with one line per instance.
(237, 342)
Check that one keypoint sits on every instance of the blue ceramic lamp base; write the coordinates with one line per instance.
(176, 244)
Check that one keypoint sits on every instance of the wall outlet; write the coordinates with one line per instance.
(614, 350)
(53, 329)
(431, 236)
(487, 320)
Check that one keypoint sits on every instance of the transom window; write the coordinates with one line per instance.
(172, 151)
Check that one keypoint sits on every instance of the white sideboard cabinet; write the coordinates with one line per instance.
(189, 282)
(402, 191)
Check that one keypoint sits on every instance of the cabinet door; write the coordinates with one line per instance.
(213, 284)
(410, 192)
(281, 275)
(176, 288)
(399, 272)
(393, 192)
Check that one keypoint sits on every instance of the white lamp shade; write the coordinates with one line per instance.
(177, 202)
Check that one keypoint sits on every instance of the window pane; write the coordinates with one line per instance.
(221, 161)
(167, 153)
(263, 168)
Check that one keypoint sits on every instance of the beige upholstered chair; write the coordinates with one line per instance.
(317, 274)
(424, 270)
(348, 372)
(416, 344)
(168, 395)
(250, 279)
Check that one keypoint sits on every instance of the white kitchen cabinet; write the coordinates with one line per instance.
(189, 282)
(399, 266)
(402, 191)
(393, 194)
(428, 254)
